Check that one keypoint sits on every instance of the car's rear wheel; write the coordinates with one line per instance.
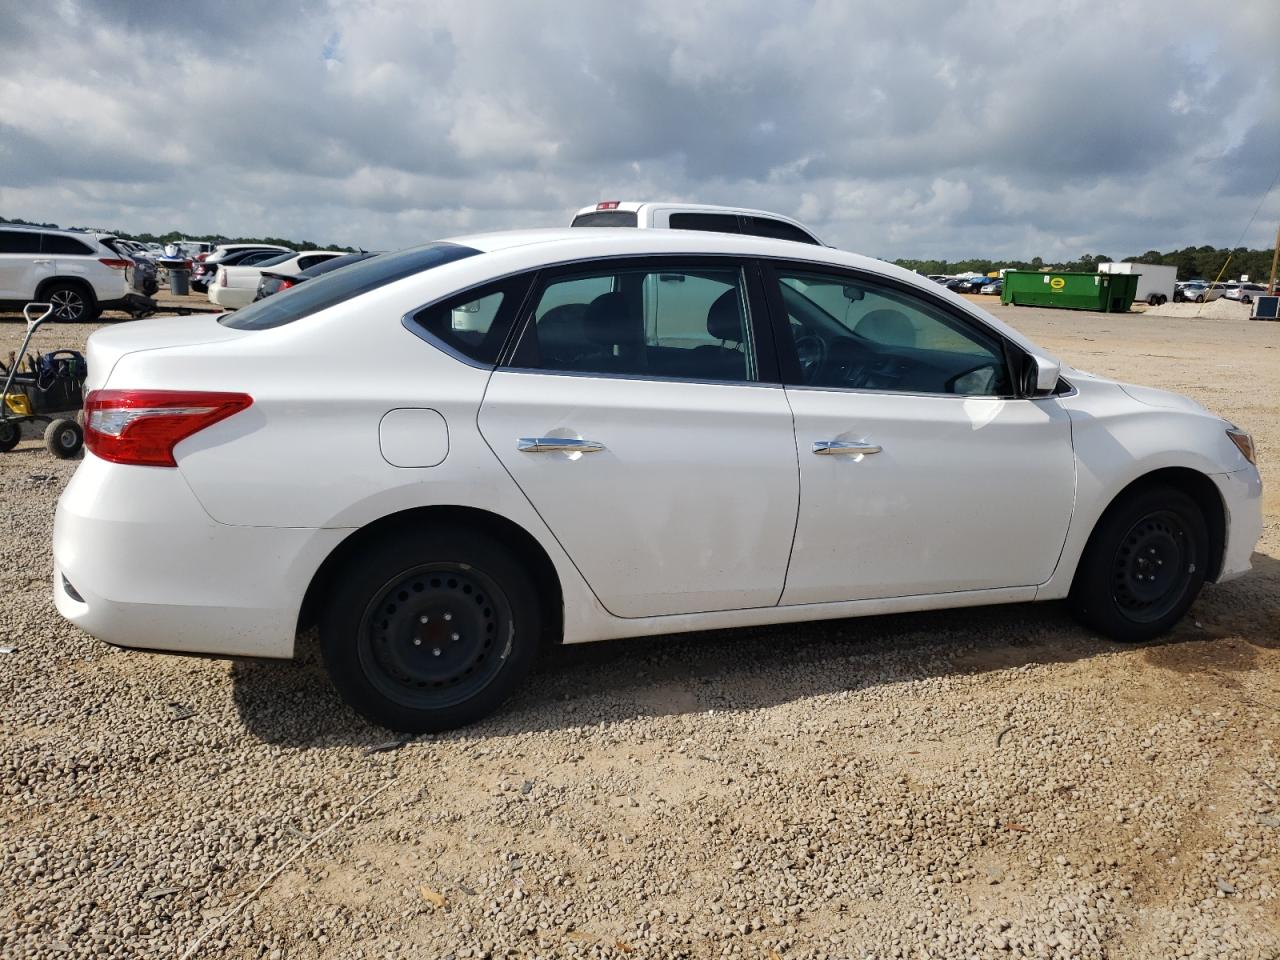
(430, 630)
(71, 304)
(1144, 565)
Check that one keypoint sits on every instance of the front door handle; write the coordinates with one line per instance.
(833, 448)
(557, 445)
(43, 263)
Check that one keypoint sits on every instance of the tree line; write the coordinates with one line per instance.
(174, 236)
(1192, 262)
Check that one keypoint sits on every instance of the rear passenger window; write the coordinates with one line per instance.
(710, 222)
(64, 246)
(19, 241)
(680, 323)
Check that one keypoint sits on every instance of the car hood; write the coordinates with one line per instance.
(1150, 396)
(1161, 398)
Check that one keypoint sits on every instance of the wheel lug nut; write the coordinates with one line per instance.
(435, 651)
(417, 641)
(454, 636)
(424, 619)
(448, 616)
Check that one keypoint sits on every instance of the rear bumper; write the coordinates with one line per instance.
(232, 298)
(138, 563)
(1242, 495)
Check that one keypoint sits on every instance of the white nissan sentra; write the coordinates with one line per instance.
(448, 456)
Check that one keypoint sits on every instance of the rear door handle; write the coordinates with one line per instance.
(42, 262)
(834, 448)
(557, 445)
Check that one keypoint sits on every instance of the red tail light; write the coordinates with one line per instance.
(284, 285)
(116, 264)
(607, 205)
(143, 426)
(222, 276)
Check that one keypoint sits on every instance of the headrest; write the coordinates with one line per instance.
(887, 327)
(608, 322)
(724, 319)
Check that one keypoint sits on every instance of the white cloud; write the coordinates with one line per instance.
(893, 129)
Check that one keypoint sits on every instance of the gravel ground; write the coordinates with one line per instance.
(987, 783)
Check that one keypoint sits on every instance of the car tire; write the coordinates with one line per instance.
(1144, 565)
(10, 435)
(64, 438)
(71, 302)
(1200, 298)
(1246, 299)
(430, 629)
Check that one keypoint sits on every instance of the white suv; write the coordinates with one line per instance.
(693, 216)
(76, 272)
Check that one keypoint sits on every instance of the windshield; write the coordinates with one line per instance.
(351, 281)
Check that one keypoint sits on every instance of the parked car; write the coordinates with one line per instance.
(562, 436)
(272, 282)
(143, 277)
(236, 286)
(204, 271)
(1245, 292)
(79, 273)
(995, 287)
(1201, 292)
(693, 216)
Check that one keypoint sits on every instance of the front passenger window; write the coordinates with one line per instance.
(851, 333)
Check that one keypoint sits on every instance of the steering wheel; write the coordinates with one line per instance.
(812, 352)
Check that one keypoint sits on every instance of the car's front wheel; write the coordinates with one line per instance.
(1144, 565)
(431, 629)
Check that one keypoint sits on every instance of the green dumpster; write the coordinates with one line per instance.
(1103, 292)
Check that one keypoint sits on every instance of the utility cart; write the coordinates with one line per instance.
(49, 391)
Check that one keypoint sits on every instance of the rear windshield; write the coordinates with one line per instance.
(606, 218)
(332, 288)
(270, 261)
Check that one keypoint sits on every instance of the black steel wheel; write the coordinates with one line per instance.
(430, 629)
(435, 637)
(10, 435)
(1153, 565)
(1144, 565)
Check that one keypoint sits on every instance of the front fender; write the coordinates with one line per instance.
(1118, 439)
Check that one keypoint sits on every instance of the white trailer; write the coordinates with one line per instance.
(1155, 285)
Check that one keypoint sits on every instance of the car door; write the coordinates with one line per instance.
(640, 414)
(21, 265)
(73, 257)
(921, 471)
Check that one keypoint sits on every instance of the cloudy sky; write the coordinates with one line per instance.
(1001, 128)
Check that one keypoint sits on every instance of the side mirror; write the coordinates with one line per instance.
(1041, 377)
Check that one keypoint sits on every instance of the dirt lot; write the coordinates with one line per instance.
(992, 782)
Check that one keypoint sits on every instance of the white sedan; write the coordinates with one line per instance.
(450, 455)
(235, 287)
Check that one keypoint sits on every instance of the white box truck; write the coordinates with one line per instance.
(1155, 285)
